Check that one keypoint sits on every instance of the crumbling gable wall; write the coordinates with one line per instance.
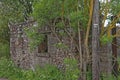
(19, 49)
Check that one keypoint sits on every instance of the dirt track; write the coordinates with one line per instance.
(3, 79)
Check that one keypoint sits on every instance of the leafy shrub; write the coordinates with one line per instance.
(71, 72)
(4, 50)
(49, 72)
(6, 67)
(106, 39)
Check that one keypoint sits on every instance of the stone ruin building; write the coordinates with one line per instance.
(46, 52)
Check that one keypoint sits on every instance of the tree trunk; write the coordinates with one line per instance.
(95, 42)
(114, 53)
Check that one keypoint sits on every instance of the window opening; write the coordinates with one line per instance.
(43, 46)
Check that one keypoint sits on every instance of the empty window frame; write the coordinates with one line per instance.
(43, 46)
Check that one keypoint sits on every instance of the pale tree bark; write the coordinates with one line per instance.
(95, 42)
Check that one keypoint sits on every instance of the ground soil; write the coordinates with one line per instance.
(3, 79)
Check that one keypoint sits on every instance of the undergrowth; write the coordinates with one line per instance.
(49, 72)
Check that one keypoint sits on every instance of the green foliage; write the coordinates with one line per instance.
(7, 68)
(34, 36)
(60, 25)
(89, 73)
(109, 77)
(4, 50)
(46, 11)
(49, 72)
(15, 10)
(71, 72)
(76, 17)
(106, 39)
(61, 45)
(114, 6)
(10, 12)
(4, 34)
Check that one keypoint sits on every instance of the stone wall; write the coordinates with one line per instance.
(19, 48)
(24, 57)
(105, 54)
